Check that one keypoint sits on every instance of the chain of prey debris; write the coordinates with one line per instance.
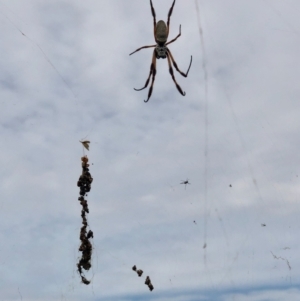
(84, 183)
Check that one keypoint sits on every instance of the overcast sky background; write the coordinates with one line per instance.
(66, 74)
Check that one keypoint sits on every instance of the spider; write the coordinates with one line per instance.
(161, 32)
(185, 183)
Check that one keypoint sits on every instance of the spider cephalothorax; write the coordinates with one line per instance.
(161, 52)
(161, 33)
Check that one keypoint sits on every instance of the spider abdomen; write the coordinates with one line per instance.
(161, 32)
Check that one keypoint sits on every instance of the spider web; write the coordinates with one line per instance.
(230, 235)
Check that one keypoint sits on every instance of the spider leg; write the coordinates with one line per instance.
(153, 73)
(169, 16)
(176, 37)
(175, 65)
(154, 19)
(142, 48)
(172, 74)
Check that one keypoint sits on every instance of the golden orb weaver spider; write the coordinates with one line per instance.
(161, 32)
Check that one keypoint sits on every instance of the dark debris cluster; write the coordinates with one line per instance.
(139, 272)
(84, 182)
(147, 282)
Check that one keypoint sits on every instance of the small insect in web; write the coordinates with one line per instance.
(186, 182)
(86, 144)
(161, 33)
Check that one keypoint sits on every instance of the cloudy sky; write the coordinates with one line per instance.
(66, 75)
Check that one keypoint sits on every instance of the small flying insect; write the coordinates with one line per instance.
(161, 33)
(185, 183)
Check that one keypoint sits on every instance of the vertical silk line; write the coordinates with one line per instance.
(206, 129)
